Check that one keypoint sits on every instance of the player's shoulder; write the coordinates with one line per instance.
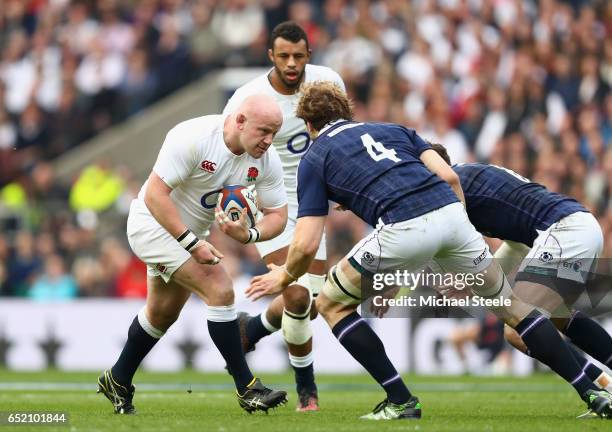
(319, 148)
(198, 124)
(486, 173)
(373, 128)
(259, 84)
(322, 73)
(196, 129)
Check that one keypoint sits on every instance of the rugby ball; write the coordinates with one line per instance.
(232, 199)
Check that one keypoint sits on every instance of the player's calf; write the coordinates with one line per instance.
(595, 374)
(142, 337)
(296, 327)
(259, 327)
(338, 303)
(536, 330)
(298, 335)
(270, 320)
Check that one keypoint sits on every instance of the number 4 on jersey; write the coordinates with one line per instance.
(377, 150)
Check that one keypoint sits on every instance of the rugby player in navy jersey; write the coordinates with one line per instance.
(553, 240)
(392, 179)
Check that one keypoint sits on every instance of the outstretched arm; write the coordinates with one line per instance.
(306, 239)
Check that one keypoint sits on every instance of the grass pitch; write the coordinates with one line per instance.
(539, 403)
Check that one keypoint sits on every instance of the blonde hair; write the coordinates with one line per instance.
(323, 102)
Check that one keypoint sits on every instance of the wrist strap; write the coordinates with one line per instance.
(188, 240)
(289, 274)
(253, 236)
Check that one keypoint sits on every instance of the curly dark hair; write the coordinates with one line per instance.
(290, 31)
(323, 102)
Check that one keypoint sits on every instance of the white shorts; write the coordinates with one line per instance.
(566, 250)
(152, 243)
(444, 235)
(284, 239)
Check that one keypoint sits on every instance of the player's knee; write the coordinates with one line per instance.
(296, 327)
(297, 299)
(223, 296)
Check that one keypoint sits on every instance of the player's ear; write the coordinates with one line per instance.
(271, 55)
(240, 120)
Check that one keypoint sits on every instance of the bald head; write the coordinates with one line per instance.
(257, 120)
(261, 108)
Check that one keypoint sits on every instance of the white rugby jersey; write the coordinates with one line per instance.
(292, 140)
(195, 162)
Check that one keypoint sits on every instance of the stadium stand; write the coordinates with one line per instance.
(522, 84)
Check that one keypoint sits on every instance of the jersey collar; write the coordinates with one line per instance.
(330, 125)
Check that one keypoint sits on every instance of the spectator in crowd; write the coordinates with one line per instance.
(97, 188)
(238, 24)
(54, 284)
(23, 265)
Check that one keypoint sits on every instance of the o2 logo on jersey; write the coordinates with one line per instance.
(296, 146)
(209, 200)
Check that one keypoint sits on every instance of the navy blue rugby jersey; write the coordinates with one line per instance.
(372, 169)
(503, 204)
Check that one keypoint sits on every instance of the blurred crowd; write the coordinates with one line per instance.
(523, 84)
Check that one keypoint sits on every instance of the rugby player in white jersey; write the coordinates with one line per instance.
(289, 53)
(168, 222)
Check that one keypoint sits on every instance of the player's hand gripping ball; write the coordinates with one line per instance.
(232, 199)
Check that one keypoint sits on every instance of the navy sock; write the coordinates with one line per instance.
(588, 335)
(226, 336)
(304, 378)
(137, 346)
(255, 330)
(365, 346)
(591, 370)
(545, 344)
